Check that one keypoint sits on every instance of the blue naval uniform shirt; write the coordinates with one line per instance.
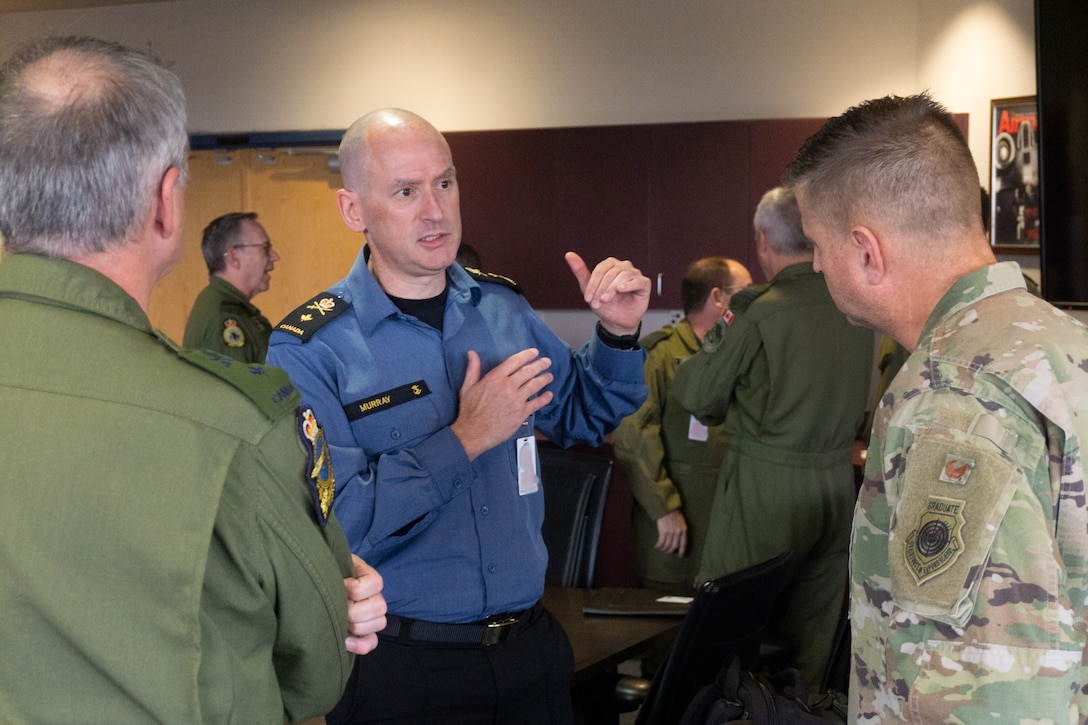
(453, 539)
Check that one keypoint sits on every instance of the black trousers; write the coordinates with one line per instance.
(522, 681)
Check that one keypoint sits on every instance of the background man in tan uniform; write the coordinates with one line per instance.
(161, 556)
(671, 459)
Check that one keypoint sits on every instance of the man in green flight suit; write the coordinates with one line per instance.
(166, 552)
(240, 259)
(789, 375)
(670, 458)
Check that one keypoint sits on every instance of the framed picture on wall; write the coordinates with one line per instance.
(1014, 174)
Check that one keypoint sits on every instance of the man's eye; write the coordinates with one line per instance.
(405, 193)
(445, 184)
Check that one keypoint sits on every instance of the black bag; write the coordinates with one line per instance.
(739, 696)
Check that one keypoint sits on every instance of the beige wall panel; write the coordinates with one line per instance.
(216, 186)
(294, 195)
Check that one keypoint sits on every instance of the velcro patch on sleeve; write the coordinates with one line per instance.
(955, 492)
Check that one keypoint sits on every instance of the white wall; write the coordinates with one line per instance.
(276, 65)
(262, 65)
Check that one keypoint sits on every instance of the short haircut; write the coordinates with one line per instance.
(901, 159)
(219, 236)
(79, 171)
(779, 218)
(700, 279)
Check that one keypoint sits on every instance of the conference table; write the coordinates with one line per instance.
(601, 642)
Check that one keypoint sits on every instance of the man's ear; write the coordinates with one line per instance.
(169, 212)
(351, 210)
(870, 248)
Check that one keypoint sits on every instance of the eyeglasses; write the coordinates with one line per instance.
(267, 247)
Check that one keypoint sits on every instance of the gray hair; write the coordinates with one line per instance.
(218, 237)
(79, 168)
(779, 218)
(902, 158)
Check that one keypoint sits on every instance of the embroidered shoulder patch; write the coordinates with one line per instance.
(494, 278)
(319, 474)
(937, 541)
(233, 334)
(308, 318)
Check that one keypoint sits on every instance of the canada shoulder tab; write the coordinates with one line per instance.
(310, 316)
(493, 278)
(270, 389)
(742, 300)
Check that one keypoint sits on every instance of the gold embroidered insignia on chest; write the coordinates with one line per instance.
(957, 469)
(319, 474)
(936, 543)
(232, 333)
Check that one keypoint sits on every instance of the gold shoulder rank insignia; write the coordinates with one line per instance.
(319, 475)
(310, 316)
(494, 278)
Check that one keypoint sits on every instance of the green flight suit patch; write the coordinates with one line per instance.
(319, 474)
(233, 335)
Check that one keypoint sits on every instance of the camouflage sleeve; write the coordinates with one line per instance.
(961, 607)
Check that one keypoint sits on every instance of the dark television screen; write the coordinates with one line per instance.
(1061, 32)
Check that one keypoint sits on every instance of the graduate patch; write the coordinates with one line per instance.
(937, 542)
(372, 404)
(319, 474)
(232, 333)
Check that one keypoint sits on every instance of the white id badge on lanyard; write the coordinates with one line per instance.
(528, 481)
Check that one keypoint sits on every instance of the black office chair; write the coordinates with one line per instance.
(575, 489)
(727, 617)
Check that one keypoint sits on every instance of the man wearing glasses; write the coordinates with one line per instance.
(240, 259)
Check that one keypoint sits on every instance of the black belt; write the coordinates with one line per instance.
(490, 632)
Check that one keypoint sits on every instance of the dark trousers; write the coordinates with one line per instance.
(522, 681)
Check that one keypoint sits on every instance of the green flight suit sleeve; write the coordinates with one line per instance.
(705, 383)
(639, 446)
(270, 537)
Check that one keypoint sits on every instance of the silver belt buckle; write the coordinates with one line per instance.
(499, 631)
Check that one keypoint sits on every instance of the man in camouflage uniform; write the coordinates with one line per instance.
(789, 375)
(968, 579)
(671, 459)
